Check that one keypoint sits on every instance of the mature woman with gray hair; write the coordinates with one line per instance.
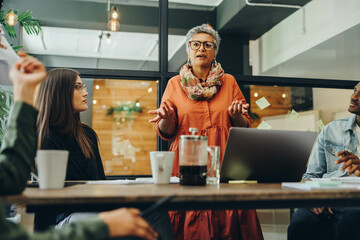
(202, 96)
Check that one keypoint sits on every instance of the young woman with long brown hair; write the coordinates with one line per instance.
(60, 99)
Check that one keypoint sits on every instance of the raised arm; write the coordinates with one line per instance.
(18, 148)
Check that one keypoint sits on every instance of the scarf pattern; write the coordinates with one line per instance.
(204, 90)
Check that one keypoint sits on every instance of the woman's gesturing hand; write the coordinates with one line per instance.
(164, 112)
(238, 108)
(351, 162)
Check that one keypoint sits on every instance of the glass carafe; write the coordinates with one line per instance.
(193, 158)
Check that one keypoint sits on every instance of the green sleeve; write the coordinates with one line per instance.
(17, 156)
(18, 149)
(92, 228)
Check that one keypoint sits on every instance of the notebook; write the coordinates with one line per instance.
(344, 180)
(266, 155)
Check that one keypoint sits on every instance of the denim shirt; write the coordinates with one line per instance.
(335, 137)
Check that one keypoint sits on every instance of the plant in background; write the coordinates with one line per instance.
(125, 107)
(30, 24)
(5, 101)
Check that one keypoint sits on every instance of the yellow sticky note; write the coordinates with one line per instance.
(293, 116)
(243, 181)
(264, 125)
(321, 124)
(262, 103)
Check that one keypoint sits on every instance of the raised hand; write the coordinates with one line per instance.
(26, 74)
(238, 108)
(164, 112)
(351, 162)
(28, 70)
(127, 222)
(236, 111)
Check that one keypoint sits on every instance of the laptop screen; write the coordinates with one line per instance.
(266, 155)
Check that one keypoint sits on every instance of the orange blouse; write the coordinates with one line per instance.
(212, 119)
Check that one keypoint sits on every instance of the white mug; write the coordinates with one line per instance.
(51, 166)
(161, 166)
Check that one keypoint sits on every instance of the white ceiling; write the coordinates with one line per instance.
(336, 58)
(87, 43)
(213, 3)
(180, 4)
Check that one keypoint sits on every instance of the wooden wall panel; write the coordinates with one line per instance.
(278, 104)
(139, 132)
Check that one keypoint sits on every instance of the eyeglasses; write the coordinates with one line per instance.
(195, 45)
(81, 87)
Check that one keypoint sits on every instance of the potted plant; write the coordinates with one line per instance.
(5, 101)
(31, 26)
(128, 109)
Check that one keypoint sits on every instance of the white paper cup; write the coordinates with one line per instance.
(161, 166)
(51, 166)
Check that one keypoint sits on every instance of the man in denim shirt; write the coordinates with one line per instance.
(335, 154)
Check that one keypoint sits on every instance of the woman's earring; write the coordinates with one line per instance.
(189, 63)
(213, 63)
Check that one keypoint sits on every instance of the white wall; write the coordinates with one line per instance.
(332, 103)
(324, 19)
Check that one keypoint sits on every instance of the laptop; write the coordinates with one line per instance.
(268, 156)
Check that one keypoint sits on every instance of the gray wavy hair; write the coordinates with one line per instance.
(203, 28)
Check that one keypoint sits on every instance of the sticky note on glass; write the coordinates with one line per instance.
(321, 124)
(293, 116)
(264, 125)
(262, 103)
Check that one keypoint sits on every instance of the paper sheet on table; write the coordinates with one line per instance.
(344, 180)
(262, 103)
(136, 181)
(317, 186)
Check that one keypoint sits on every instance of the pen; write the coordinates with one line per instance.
(243, 181)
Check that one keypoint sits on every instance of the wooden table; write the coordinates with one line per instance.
(87, 197)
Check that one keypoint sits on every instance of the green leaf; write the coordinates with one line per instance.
(30, 24)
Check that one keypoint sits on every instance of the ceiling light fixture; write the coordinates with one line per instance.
(108, 39)
(11, 18)
(113, 24)
(114, 13)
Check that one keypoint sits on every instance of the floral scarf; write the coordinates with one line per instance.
(204, 90)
